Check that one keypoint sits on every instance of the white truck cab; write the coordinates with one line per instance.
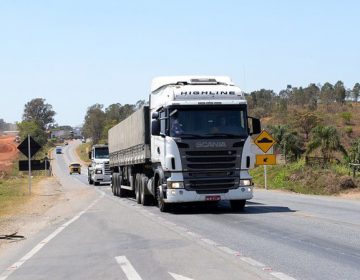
(99, 170)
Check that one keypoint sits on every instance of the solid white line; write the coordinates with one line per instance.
(179, 277)
(127, 268)
(252, 262)
(46, 240)
(282, 276)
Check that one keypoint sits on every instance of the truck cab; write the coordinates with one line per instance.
(99, 170)
(201, 140)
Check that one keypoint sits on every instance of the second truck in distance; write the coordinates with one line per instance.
(190, 144)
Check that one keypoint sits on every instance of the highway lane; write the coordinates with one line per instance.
(306, 237)
(116, 239)
(288, 235)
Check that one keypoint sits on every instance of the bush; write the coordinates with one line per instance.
(346, 116)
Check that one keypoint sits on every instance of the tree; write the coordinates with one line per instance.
(94, 122)
(306, 122)
(327, 139)
(33, 129)
(355, 151)
(289, 142)
(40, 112)
(340, 92)
(356, 92)
(327, 94)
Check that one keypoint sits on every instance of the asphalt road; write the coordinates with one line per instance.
(279, 236)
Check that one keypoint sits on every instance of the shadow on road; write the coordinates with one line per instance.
(224, 208)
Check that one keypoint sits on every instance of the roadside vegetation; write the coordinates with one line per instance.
(317, 130)
(82, 151)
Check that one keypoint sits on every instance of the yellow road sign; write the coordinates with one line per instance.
(264, 141)
(265, 159)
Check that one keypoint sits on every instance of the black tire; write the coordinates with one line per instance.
(113, 184)
(116, 184)
(96, 183)
(146, 199)
(163, 206)
(89, 180)
(237, 205)
(137, 188)
(121, 192)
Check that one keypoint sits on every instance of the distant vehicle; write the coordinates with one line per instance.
(83, 140)
(99, 169)
(74, 168)
(191, 143)
(66, 143)
(58, 149)
(17, 139)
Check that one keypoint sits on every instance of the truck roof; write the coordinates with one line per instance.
(160, 82)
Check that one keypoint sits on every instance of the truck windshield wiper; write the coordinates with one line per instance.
(225, 135)
(190, 135)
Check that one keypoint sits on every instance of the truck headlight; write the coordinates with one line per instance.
(245, 182)
(98, 171)
(175, 185)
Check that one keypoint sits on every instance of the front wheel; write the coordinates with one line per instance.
(90, 180)
(237, 205)
(163, 206)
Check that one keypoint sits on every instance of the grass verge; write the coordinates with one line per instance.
(297, 177)
(82, 151)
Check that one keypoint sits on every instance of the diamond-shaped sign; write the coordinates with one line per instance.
(24, 147)
(264, 141)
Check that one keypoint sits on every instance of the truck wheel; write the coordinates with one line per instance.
(137, 188)
(145, 198)
(163, 206)
(121, 192)
(237, 205)
(113, 184)
(89, 180)
(96, 183)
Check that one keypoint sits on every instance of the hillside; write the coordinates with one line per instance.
(295, 175)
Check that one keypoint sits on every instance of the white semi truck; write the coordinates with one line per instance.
(99, 169)
(190, 144)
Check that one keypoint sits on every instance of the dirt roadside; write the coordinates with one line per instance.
(8, 152)
(51, 203)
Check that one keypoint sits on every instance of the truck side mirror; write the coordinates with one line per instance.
(89, 154)
(155, 115)
(155, 127)
(256, 126)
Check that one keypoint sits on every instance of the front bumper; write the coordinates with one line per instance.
(102, 178)
(182, 195)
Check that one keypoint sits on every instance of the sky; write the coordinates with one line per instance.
(75, 53)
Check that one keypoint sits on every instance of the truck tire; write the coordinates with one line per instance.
(237, 205)
(163, 206)
(121, 192)
(89, 179)
(146, 199)
(116, 184)
(137, 188)
(113, 184)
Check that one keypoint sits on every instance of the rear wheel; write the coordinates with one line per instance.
(137, 188)
(146, 199)
(121, 192)
(237, 205)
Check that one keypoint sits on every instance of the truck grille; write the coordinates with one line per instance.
(107, 168)
(211, 170)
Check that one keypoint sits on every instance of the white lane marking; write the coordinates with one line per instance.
(227, 250)
(46, 240)
(179, 277)
(282, 276)
(127, 268)
(252, 262)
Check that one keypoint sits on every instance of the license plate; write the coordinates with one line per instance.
(212, 197)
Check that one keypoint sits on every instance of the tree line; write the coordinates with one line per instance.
(263, 102)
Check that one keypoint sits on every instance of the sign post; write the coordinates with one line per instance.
(265, 141)
(29, 158)
(29, 148)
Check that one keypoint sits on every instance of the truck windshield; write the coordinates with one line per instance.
(208, 123)
(102, 153)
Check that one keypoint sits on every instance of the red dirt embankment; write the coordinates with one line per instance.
(8, 153)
